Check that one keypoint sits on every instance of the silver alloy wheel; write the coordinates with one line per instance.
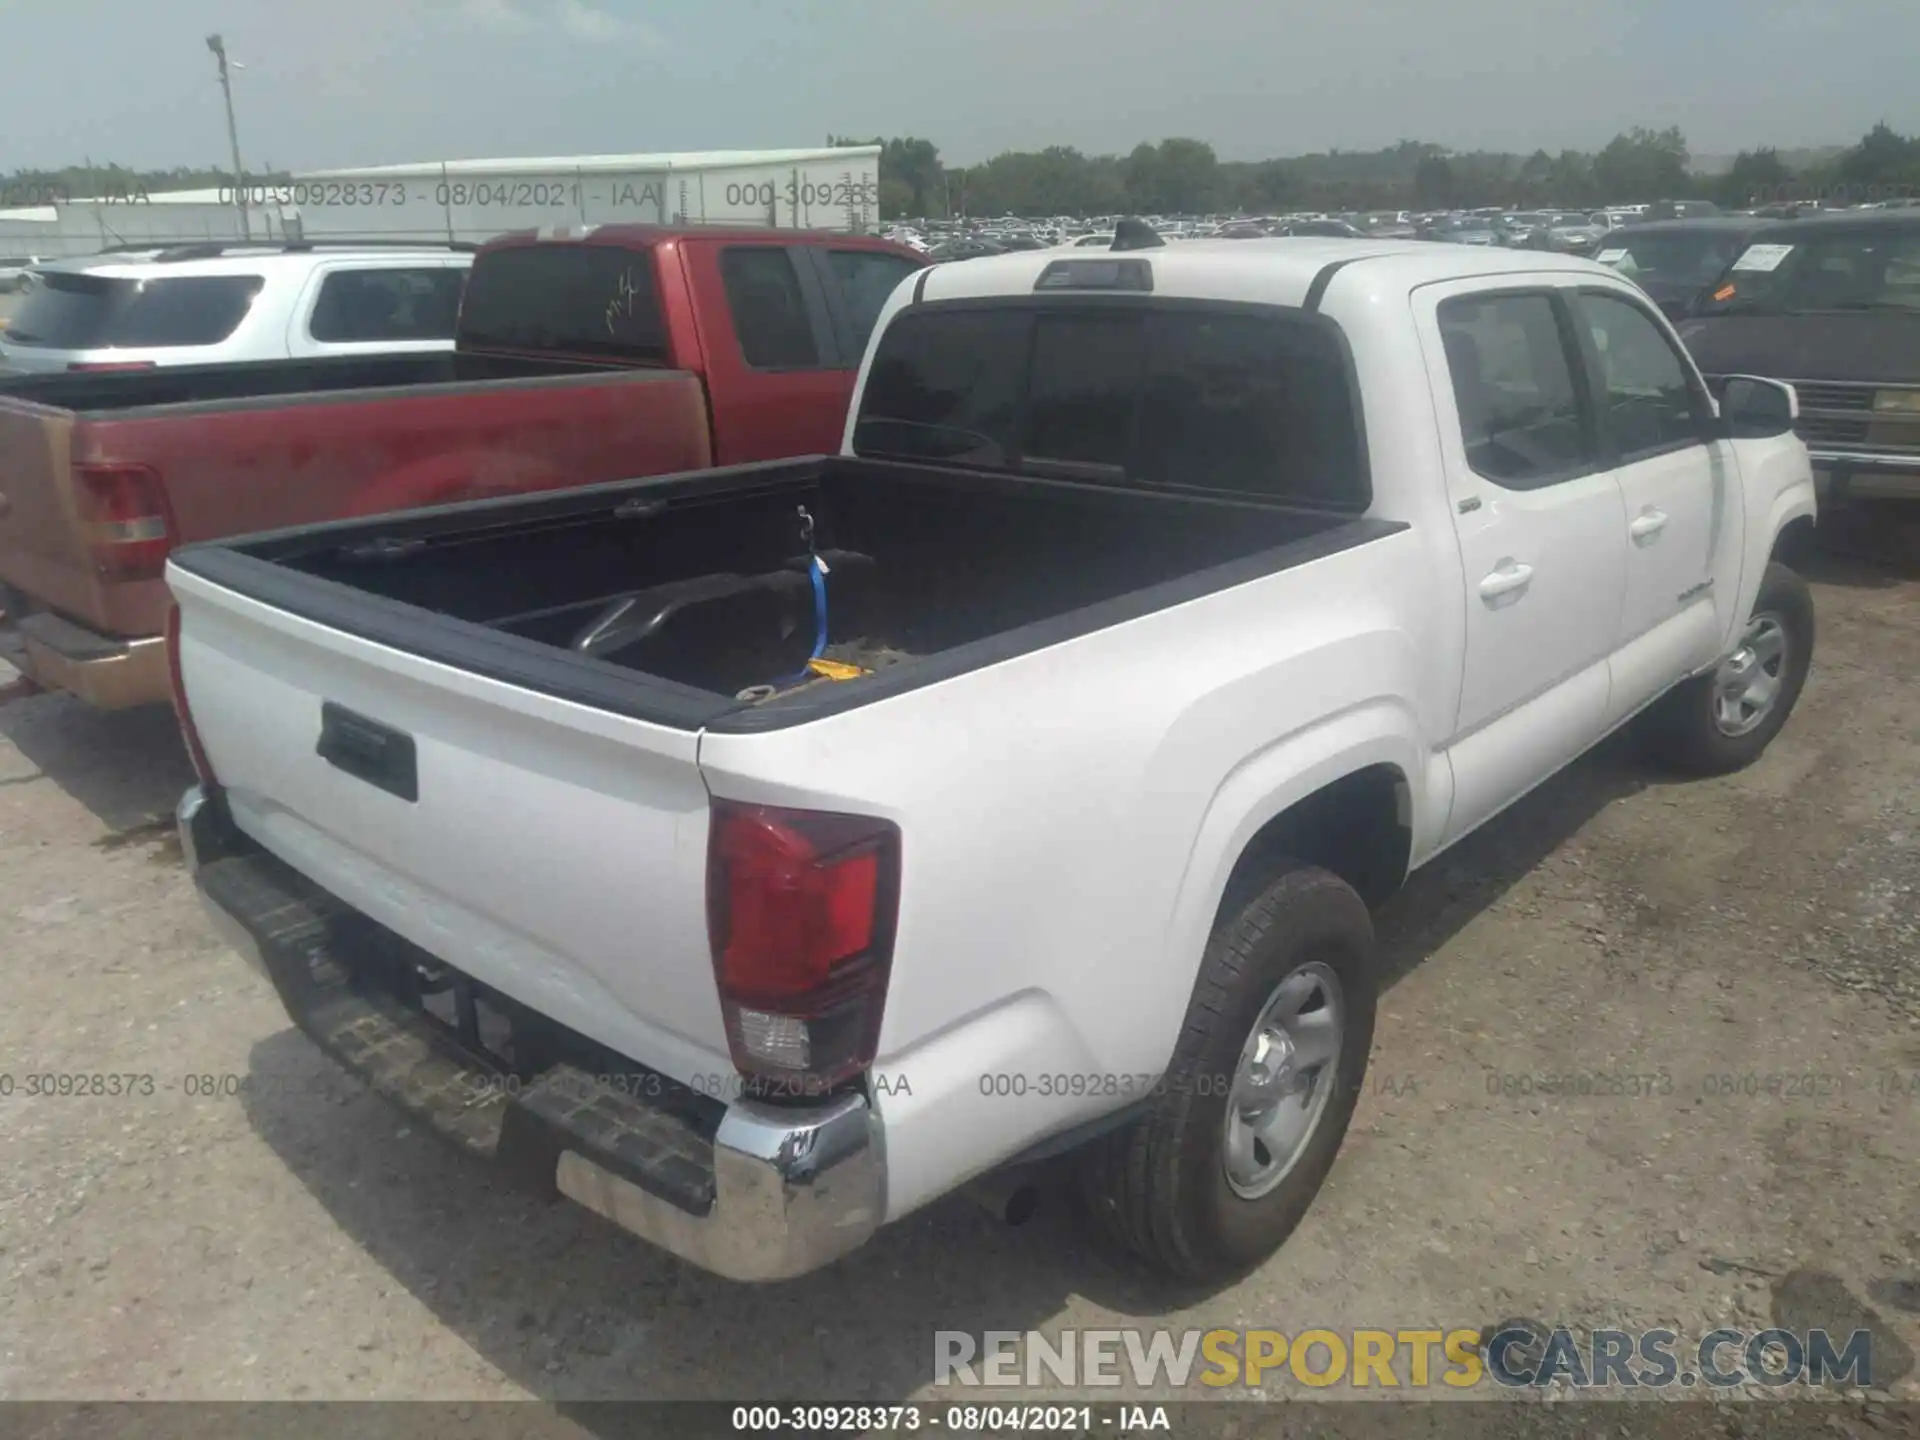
(1747, 685)
(1285, 1076)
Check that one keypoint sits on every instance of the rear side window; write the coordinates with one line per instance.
(867, 278)
(590, 300)
(366, 305)
(1521, 416)
(1207, 399)
(769, 308)
(91, 312)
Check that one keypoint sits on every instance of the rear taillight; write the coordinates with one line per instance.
(127, 519)
(195, 751)
(800, 912)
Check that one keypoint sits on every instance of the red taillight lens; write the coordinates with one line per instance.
(195, 751)
(800, 912)
(99, 365)
(127, 519)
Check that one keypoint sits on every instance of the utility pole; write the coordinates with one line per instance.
(219, 49)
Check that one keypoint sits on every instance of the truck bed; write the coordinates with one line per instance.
(685, 600)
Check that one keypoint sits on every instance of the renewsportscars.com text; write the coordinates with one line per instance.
(1519, 1355)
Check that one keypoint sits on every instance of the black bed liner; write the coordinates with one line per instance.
(259, 568)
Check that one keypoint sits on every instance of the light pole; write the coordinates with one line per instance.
(219, 49)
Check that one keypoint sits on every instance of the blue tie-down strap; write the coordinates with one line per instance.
(817, 570)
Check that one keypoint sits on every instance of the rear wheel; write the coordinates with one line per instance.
(1720, 722)
(1263, 1082)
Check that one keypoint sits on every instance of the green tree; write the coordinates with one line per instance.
(1756, 177)
(1433, 183)
(1883, 161)
(1177, 176)
(1535, 178)
(1261, 188)
(1641, 165)
(1188, 173)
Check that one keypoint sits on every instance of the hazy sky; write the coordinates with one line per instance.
(360, 82)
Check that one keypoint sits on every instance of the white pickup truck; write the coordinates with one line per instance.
(755, 855)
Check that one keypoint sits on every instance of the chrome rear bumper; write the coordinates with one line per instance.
(768, 1193)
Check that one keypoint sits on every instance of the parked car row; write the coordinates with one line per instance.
(1568, 232)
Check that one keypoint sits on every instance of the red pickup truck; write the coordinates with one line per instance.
(581, 356)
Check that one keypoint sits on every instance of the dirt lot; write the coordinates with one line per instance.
(300, 1242)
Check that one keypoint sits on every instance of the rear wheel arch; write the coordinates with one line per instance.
(1358, 827)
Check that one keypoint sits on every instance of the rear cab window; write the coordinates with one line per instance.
(69, 311)
(1232, 400)
(596, 302)
(387, 304)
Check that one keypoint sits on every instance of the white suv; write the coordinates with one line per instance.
(205, 304)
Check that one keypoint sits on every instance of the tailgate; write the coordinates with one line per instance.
(539, 831)
(43, 551)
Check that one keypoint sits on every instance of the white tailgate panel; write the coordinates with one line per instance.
(556, 852)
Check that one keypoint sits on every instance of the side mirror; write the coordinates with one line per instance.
(1754, 408)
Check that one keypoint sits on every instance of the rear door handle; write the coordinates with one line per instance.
(1647, 524)
(1509, 579)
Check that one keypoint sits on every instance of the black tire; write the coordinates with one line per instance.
(1159, 1186)
(1680, 730)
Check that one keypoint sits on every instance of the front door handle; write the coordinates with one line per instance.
(1509, 579)
(1647, 524)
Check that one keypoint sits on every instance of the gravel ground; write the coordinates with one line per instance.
(301, 1242)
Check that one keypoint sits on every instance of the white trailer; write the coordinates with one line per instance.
(83, 226)
(827, 188)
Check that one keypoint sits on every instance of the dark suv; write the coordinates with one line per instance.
(1833, 305)
(1678, 262)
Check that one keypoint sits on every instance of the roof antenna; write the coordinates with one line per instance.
(1132, 234)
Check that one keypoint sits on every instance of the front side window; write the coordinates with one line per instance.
(769, 308)
(1521, 418)
(1650, 402)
